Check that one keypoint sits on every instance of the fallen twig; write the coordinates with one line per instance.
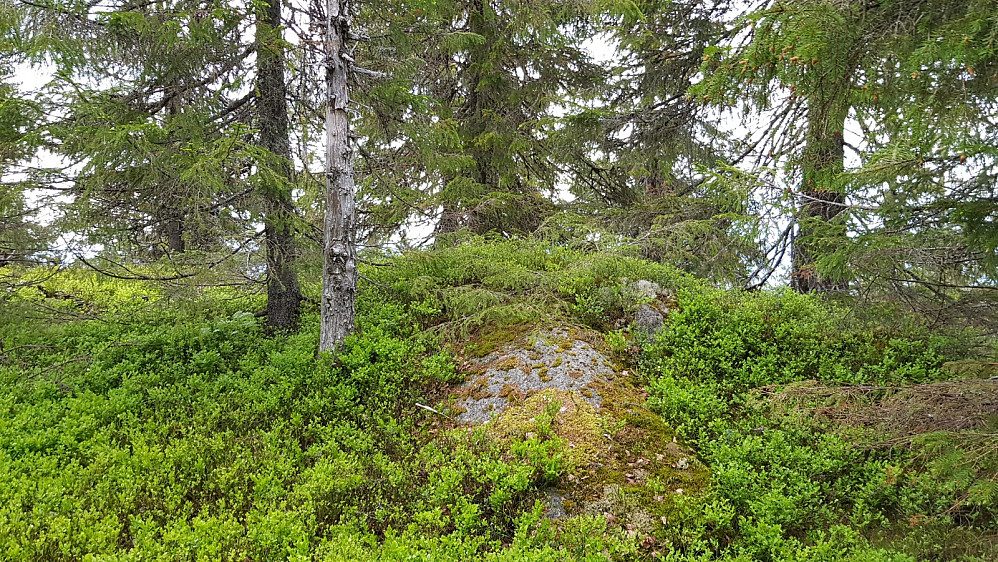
(434, 410)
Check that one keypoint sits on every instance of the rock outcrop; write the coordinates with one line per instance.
(562, 383)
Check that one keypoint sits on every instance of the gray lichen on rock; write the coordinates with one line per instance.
(643, 291)
(647, 320)
(549, 359)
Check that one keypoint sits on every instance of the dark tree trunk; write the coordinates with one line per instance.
(821, 199)
(499, 201)
(480, 99)
(172, 215)
(283, 292)
(174, 232)
(339, 275)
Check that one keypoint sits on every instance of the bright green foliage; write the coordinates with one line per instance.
(785, 488)
(167, 427)
(160, 421)
(719, 345)
(502, 283)
(142, 422)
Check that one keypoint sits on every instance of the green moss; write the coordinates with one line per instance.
(490, 341)
(575, 420)
(642, 461)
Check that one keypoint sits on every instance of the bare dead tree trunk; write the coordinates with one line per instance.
(283, 291)
(339, 275)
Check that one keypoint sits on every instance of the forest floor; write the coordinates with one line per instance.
(500, 400)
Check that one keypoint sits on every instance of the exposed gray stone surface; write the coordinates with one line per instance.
(555, 505)
(552, 359)
(648, 320)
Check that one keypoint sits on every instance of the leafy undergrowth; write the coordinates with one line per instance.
(137, 424)
(789, 487)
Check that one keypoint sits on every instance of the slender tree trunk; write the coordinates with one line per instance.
(822, 200)
(283, 292)
(339, 275)
(173, 215)
(174, 232)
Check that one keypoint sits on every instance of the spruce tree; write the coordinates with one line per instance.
(22, 239)
(153, 121)
(462, 131)
(887, 71)
(181, 142)
(642, 149)
(283, 292)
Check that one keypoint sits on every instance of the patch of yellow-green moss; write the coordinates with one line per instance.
(561, 413)
(650, 465)
(506, 364)
(490, 341)
(639, 461)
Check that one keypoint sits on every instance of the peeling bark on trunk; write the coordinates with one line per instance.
(339, 276)
(824, 160)
(283, 292)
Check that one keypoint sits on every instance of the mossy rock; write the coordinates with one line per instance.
(624, 462)
(553, 413)
(525, 360)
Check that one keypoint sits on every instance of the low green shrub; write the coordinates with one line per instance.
(185, 433)
(138, 422)
(497, 283)
(779, 482)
